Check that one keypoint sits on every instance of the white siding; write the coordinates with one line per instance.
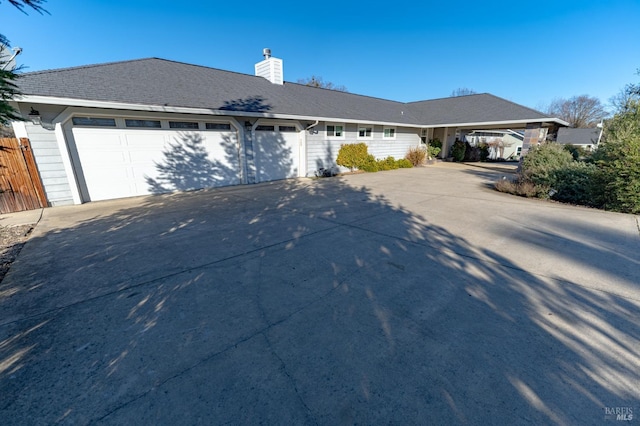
(398, 147)
(322, 152)
(49, 162)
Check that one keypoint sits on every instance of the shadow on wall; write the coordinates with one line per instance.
(187, 166)
(190, 161)
(319, 296)
(276, 155)
(327, 166)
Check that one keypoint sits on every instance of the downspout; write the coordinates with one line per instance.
(312, 125)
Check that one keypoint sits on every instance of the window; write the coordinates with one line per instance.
(262, 128)
(182, 125)
(218, 126)
(365, 131)
(389, 133)
(335, 130)
(287, 128)
(93, 121)
(155, 124)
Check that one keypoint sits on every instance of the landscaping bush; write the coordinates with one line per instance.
(416, 155)
(609, 178)
(388, 163)
(541, 163)
(352, 155)
(617, 181)
(369, 164)
(433, 151)
(403, 163)
(436, 143)
(521, 188)
(484, 151)
(574, 183)
(577, 152)
(457, 150)
(471, 153)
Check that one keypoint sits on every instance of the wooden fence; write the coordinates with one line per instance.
(20, 184)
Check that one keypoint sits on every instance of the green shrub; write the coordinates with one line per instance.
(433, 151)
(369, 164)
(541, 163)
(618, 162)
(403, 163)
(574, 183)
(388, 163)
(471, 153)
(416, 155)
(484, 151)
(577, 152)
(457, 150)
(435, 142)
(352, 155)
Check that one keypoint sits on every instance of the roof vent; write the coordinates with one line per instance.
(270, 68)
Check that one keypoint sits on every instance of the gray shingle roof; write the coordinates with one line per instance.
(473, 109)
(578, 136)
(162, 82)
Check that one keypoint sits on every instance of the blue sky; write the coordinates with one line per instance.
(529, 52)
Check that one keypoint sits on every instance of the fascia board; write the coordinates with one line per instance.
(498, 123)
(185, 110)
(208, 111)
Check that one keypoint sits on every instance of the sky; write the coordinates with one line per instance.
(530, 52)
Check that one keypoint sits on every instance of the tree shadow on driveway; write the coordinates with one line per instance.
(300, 302)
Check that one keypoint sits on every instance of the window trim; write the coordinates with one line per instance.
(384, 132)
(288, 128)
(221, 127)
(365, 127)
(191, 124)
(142, 120)
(334, 125)
(90, 118)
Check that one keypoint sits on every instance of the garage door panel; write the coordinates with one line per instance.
(120, 163)
(277, 155)
(223, 147)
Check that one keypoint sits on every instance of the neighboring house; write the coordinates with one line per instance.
(152, 125)
(585, 138)
(505, 144)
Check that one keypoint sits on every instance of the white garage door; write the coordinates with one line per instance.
(277, 152)
(119, 163)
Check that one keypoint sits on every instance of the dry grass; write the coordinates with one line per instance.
(521, 188)
(417, 156)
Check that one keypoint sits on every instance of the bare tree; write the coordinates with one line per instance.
(579, 111)
(626, 98)
(315, 81)
(463, 91)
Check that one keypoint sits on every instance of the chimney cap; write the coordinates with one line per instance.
(266, 52)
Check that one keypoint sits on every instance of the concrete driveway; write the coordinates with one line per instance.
(414, 296)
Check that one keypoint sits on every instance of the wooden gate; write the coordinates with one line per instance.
(20, 184)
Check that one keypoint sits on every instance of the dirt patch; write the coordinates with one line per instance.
(12, 239)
